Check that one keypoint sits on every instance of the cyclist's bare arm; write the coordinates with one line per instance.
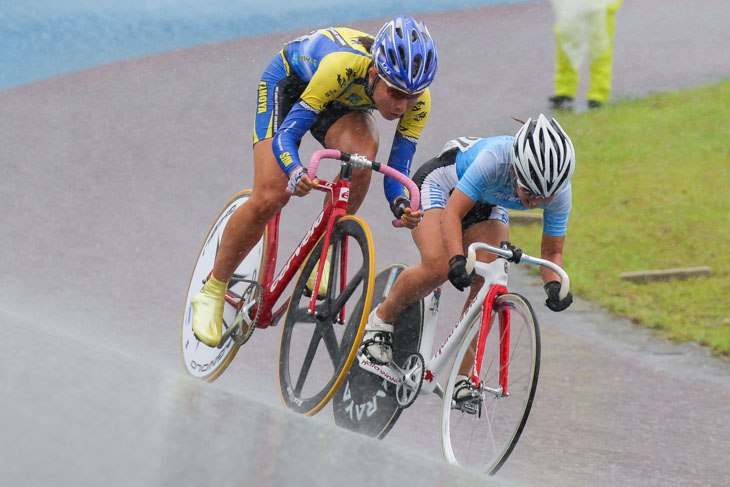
(552, 250)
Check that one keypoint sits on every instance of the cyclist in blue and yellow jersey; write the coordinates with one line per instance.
(465, 193)
(328, 83)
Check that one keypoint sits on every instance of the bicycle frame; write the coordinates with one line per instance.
(336, 207)
(495, 276)
(273, 287)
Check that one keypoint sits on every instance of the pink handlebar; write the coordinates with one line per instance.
(317, 156)
(360, 161)
(408, 183)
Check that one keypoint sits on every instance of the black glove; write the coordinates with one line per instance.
(457, 273)
(553, 301)
(398, 207)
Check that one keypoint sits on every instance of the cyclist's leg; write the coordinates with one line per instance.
(411, 285)
(248, 222)
(417, 281)
(355, 132)
(242, 232)
(436, 178)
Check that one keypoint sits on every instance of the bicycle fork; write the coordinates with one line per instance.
(487, 309)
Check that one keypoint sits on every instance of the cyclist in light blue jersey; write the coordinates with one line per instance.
(465, 193)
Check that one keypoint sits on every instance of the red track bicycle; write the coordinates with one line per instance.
(321, 332)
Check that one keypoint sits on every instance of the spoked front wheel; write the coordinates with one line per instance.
(317, 350)
(482, 435)
(199, 359)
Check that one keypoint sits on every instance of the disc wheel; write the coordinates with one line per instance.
(366, 403)
(483, 441)
(317, 350)
(200, 360)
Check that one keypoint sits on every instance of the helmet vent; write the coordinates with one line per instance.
(417, 61)
(391, 54)
(429, 60)
(402, 55)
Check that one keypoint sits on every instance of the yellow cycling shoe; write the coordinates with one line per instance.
(208, 312)
(324, 282)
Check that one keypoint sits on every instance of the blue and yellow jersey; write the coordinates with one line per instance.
(334, 64)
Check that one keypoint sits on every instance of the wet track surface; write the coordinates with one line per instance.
(109, 179)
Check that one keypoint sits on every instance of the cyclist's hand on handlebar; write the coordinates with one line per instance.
(401, 208)
(553, 301)
(457, 273)
(411, 219)
(299, 182)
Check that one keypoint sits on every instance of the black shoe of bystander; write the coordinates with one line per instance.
(561, 102)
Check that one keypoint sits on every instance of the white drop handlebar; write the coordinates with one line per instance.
(513, 256)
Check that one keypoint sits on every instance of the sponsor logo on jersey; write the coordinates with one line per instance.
(307, 106)
(309, 60)
(286, 158)
(262, 97)
(355, 99)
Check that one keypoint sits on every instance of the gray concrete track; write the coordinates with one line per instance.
(109, 179)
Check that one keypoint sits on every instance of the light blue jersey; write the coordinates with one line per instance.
(483, 169)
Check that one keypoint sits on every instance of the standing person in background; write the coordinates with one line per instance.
(580, 26)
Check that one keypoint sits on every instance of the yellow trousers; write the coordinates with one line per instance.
(599, 39)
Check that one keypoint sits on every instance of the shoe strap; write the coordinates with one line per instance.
(382, 327)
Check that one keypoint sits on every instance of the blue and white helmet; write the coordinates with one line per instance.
(405, 54)
(543, 156)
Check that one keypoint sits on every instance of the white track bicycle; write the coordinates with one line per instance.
(499, 330)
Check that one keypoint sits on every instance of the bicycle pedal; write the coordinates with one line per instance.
(468, 406)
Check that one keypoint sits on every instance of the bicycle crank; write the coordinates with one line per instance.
(407, 379)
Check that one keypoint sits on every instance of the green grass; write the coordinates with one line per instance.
(651, 191)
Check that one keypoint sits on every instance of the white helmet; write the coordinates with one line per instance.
(543, 156)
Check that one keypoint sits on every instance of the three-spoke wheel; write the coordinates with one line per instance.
(317, 349)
